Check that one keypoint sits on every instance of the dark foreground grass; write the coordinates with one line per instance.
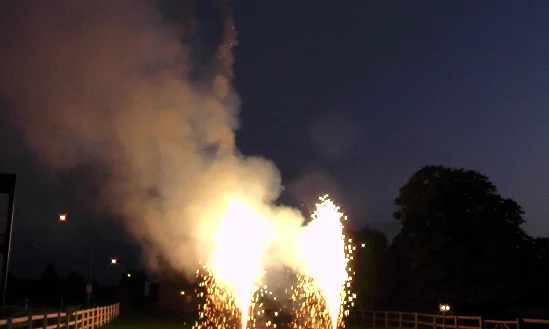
(155, 321)
(149, 321)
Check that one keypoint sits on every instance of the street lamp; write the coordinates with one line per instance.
(89, 288)
(444, 308)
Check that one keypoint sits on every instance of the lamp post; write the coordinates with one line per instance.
(444, 308)
(89, 287)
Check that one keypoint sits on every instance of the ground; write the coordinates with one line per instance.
(149, 322)
(159, 322)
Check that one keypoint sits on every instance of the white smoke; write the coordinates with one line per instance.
(109, 82)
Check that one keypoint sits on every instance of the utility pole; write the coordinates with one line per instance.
(89, 288)
(7, 201)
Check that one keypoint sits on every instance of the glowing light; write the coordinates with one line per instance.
(113, 261)
(62, 217)
(444, 308)
(182, 293)
(129, 274)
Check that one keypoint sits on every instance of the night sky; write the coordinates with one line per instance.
(347, 97)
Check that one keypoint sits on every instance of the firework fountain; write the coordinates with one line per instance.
(232, 286)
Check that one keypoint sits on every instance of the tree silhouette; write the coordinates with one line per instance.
(460, 240)
(50, 285)
(368, 260)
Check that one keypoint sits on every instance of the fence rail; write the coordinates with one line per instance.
(85, 319)
(400, 320)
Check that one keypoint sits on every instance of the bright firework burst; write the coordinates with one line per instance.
(323, 291)
(232, 283)
(234, 271)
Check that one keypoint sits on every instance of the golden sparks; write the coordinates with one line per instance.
(232, 290)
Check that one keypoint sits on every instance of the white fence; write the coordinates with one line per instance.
(401, 320)
(85, 319)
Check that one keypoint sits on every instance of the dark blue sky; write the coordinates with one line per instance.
(406, 84)
(349, 97)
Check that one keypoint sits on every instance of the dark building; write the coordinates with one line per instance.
(137, 291)
(176, 294)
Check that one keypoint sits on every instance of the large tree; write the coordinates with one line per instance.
(368, 261)
(460, 241)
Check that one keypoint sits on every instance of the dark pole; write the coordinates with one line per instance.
(7, 202)
(89, 292)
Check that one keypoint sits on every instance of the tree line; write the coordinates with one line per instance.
(460, 242)
(55, 291)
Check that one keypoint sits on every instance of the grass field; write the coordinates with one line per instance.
(160, 322)
(149, 322)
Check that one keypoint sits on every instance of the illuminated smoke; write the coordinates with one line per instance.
(110, 83)
(113, 84)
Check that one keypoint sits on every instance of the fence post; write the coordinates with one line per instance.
(415, 320)
(480, 323)
(455, 322)
(386, 320)
(58, 319)
(434, 321)
(29, 322)
(9, 324)
(443, 321)
(518, 323)
(399, 320)
(67, 319)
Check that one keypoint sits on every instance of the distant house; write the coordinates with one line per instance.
(176, 293)
(138, 291)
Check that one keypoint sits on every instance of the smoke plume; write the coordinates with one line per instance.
(115, 83)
